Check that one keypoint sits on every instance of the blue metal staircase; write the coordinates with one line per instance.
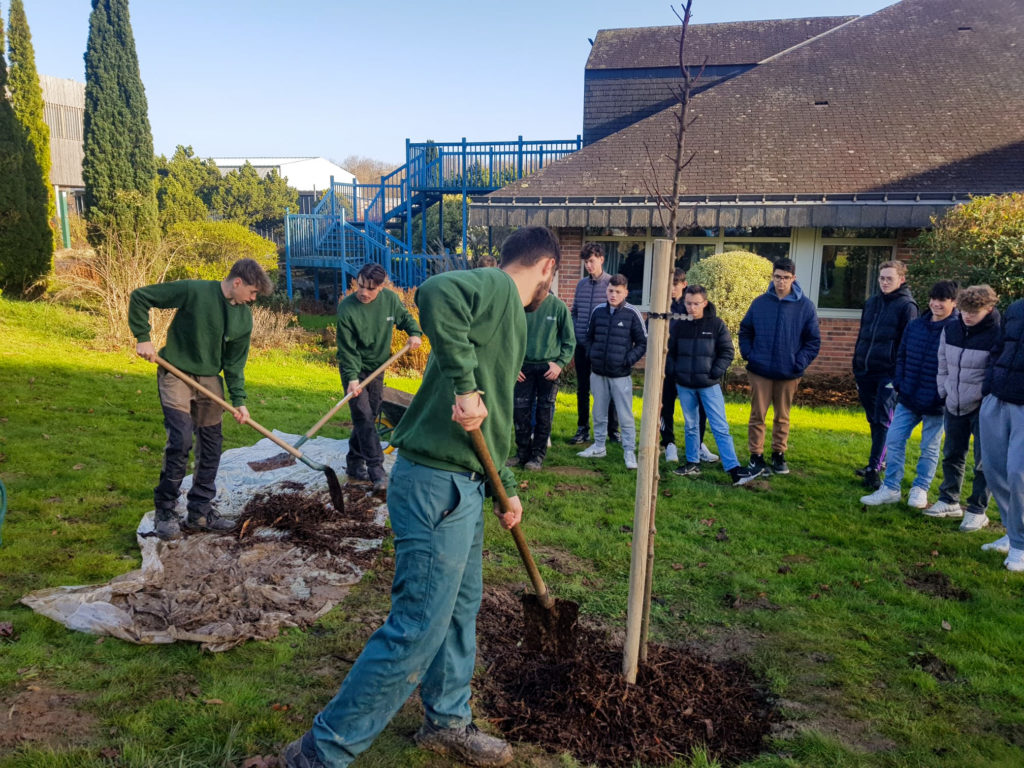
(358, 224)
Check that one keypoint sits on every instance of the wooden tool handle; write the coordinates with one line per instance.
(501, 498)
(316, 427)
(227, 406)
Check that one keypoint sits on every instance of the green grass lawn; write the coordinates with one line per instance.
(791, 574)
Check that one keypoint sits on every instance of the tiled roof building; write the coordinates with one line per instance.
(831, 140)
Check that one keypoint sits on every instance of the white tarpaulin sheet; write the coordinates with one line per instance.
(212, 588)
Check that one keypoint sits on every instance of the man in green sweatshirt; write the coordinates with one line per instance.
(477, 330)
(550, 343)
(366, 319)
(209, 334)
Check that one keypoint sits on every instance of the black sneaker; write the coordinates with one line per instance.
(871, 480)
(689, 469)
(742, 475)
(166, 526)
(514, 461)
(468, 744)
(208, 521)
(779, 465)
(582, 436)
(757, 465)
(862, 471)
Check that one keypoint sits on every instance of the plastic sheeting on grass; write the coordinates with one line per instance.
(215, 589)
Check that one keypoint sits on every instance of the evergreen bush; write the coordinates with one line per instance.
(980, 242)
(205, 250)
(733, 279)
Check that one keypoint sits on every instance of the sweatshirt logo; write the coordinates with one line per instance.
(391, 318)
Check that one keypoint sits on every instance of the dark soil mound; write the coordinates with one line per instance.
(816, 389)
(311, 522)
(582, 705)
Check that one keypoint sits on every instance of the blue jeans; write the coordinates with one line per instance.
(429, 638)
(714, 406)
(903, 422)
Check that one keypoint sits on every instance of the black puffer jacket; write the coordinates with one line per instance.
(700, 350)
(1007, 381)
(882, 322)
(615, 340)
(678, 308)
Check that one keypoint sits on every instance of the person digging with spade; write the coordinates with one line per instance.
(209, 333)
(477, 330)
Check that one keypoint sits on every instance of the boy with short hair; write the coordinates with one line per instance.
(616, 340)
(209, 333)
(591, 290)
(779, 338)
(367, 318)
(882, 322)
(918, 400)
(700, 348)
(965, 349)
(668, 393)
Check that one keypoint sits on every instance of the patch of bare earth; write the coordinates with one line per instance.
(44, 715)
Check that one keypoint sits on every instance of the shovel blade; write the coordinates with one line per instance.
(550, 631)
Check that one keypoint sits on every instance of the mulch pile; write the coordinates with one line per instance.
(582, 705)
(311, 521)
(835, 391)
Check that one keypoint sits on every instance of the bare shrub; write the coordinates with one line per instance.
(275, 329)
(103, 279)
(414, 361)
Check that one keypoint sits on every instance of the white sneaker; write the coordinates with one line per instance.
(707, 456)
(596, 451)
(942, 508)
(973, 521)
(999, 545)
(671, 452)
(630, 459)
(1014, 560)
(917, 498)
(882, 496)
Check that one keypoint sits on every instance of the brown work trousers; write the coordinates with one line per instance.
(779, 395)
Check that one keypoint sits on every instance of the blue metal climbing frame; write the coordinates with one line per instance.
(357, 224)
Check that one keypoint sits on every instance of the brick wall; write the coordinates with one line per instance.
(571, 269)
(838, 338)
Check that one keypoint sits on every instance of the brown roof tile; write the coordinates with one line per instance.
(741, 42)
(923, 96)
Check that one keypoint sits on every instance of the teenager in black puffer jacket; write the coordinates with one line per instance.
(882, 322)
(700, 349)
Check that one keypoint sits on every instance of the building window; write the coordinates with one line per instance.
(850, 260)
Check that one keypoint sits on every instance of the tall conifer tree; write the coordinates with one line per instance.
(27, 95)
(26, 241)
(119, 167)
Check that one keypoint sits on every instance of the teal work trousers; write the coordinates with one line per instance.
(429, 637)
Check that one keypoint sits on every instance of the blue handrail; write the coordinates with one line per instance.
(331, 238)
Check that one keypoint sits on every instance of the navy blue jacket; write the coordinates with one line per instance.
(589, 293)
(1007, 378)
(882, 322)
(779, 338)
(700, 350)
(917, 364)
(615, 340)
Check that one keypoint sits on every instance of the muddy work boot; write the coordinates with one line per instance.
(301, 754)
(468, 744)
(166, 525)
(208, 521)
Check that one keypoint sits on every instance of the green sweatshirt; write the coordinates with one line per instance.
(549, 333)
(207, 335)
(364, 332)
(477, 330)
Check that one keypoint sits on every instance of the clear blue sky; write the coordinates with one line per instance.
(339, 78)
